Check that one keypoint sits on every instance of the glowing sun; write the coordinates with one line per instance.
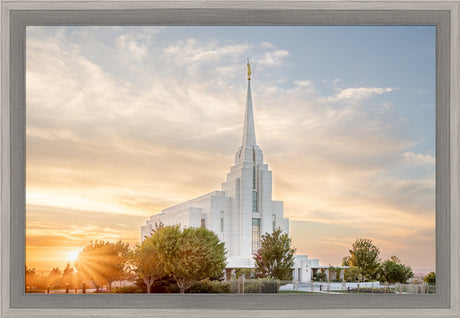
(72, 256)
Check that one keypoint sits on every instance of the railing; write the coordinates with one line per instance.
(423, 288)
(269, 286)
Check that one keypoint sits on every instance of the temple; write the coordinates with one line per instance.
(242, 211)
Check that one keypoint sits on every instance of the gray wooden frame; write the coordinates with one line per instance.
(16, 15)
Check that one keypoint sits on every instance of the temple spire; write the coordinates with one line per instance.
(249, 132)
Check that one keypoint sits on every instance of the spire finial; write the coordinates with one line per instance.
(249, 71)
(249, 132)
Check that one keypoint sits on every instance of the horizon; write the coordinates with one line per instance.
(123, 122)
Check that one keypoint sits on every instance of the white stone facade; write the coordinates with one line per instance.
(242, 211)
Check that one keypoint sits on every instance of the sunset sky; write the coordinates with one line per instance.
(125, 121)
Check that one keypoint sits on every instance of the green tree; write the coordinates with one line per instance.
(352, 274)
(365, 256)
(430, 278)
(346, 261)
(155, 228)
(147, 264)
(275, 258)
(103, 262)
(189, 255)
(393, 271)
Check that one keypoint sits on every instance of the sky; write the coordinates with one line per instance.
(123, 122)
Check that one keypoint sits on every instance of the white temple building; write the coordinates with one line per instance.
(242, 210)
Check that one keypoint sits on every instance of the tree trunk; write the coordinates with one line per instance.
(110, 287)
(148, 282)
(181, 285)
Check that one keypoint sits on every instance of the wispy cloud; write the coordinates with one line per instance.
(193, 50)
(272, 58)
(418, 158)
(357, 93)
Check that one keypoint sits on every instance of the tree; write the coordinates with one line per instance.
(430, 278)
(103, 262)
(393, 271)
(189, 255)
(147, 264)
(365, 256)
(31, 277)
(68, 276)
(346, 261)
(155, 228)
(34, 280)
(54, 277)
(351, 274)
(275, 258)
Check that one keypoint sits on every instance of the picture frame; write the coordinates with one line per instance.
(17, 15)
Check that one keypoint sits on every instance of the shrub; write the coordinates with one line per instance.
(266, 286)
(430, 278)
(321, 277)
(210, 287)
(172, 289)
(128, 290)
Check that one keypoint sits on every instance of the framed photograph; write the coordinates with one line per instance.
(139, 141)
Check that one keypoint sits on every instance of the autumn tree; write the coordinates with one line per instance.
(365, 256)
(275, 258)
(103, 262)
(147, 264)
(190, 254)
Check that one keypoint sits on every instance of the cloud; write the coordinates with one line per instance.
(135, 49)
(193, 50)
(357, 94)
(267, 45)
(418, 158)
(304, 83)
(273, 58)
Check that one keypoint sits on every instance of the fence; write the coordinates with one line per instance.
(423, 288)
(345, 285)
(267, 286)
